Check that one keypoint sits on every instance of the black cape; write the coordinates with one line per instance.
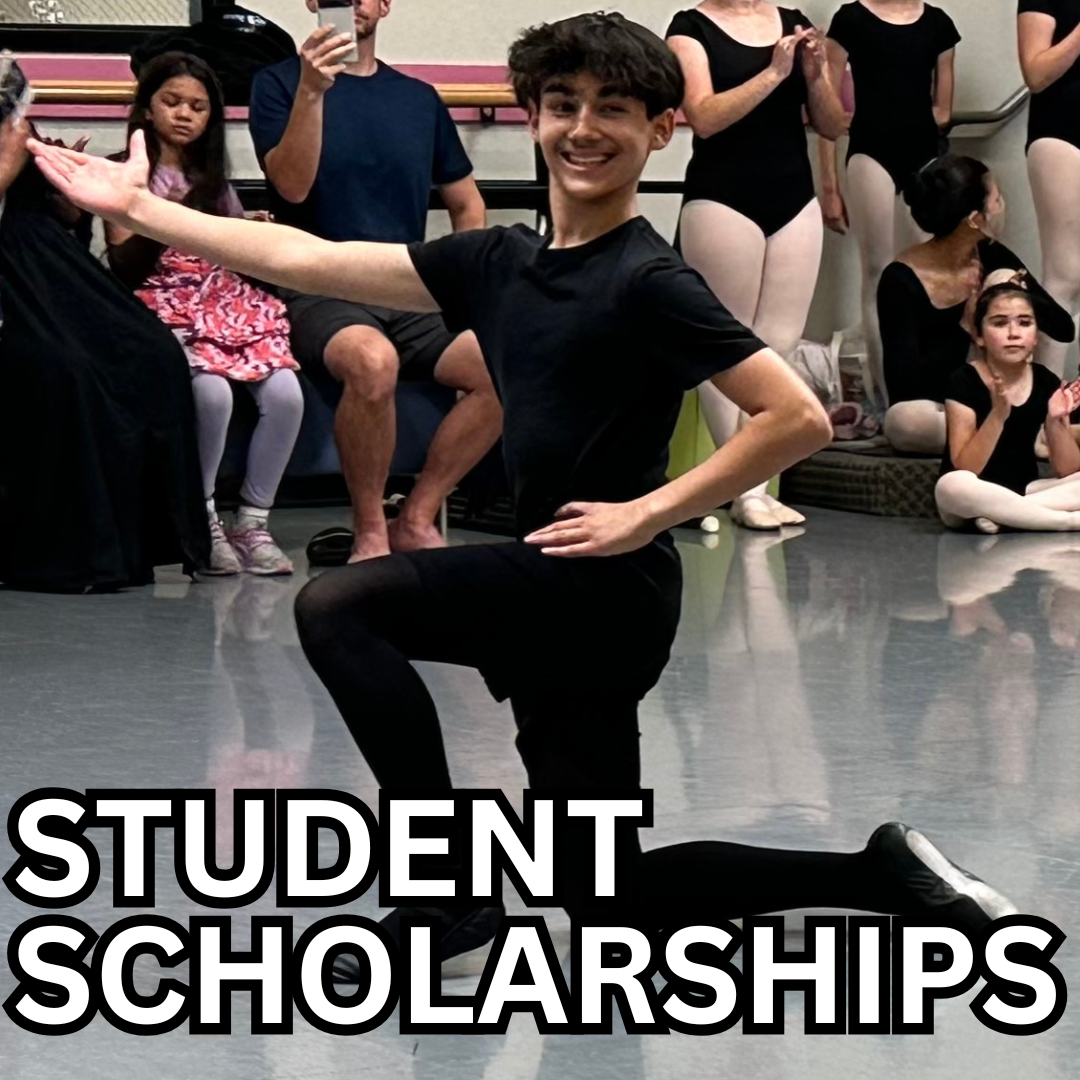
(99, 473)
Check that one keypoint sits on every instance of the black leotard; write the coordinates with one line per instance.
(760, 165)
(1055, 111)
(923, 345)
(1013, 463)
(893, 68)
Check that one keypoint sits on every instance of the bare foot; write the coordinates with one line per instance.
(406, 535)
(369, 544)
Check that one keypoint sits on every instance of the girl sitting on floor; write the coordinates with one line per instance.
(994, 408)
(233, 331)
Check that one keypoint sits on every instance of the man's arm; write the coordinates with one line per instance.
(379, 274)
(293, 164)
(786, 425)
(465, 204)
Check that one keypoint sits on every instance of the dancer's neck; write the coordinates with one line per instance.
(575, 222)
(956, 250)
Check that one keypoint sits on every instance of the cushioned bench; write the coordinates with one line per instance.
(872, 482)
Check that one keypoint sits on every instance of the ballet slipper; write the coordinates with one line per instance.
(784, 514)
(986, 526)
(753, 512)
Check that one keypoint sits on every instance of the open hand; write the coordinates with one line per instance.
(1064, 402)
(1000, 405)
(108, 188)
(594, 529)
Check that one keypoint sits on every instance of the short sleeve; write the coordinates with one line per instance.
(692, 334)
(842, 29)
(268, 116)
(947, 36)
(966, 388)
(451, 162)
(685, 24)
(1042, 7)
(453, 269)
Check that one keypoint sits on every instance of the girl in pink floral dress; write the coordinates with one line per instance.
(233, 331)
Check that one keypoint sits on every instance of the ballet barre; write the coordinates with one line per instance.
(122, 92)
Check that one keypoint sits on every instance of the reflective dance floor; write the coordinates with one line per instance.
(863, 671)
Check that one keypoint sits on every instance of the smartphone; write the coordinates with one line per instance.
(340, 15)
(16, 95)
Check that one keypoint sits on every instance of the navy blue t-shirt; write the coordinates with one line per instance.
(387, 139)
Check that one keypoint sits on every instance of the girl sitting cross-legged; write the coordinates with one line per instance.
(994, 408)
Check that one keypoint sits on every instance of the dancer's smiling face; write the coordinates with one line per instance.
(595, 139)
(1009, 331)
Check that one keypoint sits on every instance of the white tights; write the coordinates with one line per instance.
(1054, 170)
(916, 427)
(1047, 506)
(882, 226)
(768, 284)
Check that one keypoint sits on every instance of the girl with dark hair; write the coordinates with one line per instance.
(233, 331)
(99, 477)
(926, 297)
(902, 54)
(996, 407)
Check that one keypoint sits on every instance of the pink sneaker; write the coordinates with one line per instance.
(258, 552)
(224, 561)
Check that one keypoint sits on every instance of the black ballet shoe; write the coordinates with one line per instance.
(463, 929)
(933, 884)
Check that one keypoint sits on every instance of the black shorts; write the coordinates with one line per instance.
(420, 339)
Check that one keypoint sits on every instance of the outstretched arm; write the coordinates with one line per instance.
(380, 274)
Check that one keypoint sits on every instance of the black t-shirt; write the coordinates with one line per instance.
(387, 138)
(1055, 111)
(1013, 463)
(770, 141)
(590, 348)
(893, 69)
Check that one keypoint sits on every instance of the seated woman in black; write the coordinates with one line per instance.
(926, 297)
(995, 408)
(99, 471)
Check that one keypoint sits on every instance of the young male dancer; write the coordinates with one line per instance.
(592, 335)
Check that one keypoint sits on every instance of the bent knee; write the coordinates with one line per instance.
(915, 427)
(462, 367)
(364, 360)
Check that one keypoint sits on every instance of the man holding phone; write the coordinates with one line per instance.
(352, 149)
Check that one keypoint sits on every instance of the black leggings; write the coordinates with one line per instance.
(491, 607)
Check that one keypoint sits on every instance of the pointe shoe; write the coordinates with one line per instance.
(753, 512)
(932, 883)
(986, 526)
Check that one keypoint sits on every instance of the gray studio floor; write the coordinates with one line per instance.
(864, 671)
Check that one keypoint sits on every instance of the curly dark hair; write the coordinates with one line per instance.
(612, 48)
(204, 160)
